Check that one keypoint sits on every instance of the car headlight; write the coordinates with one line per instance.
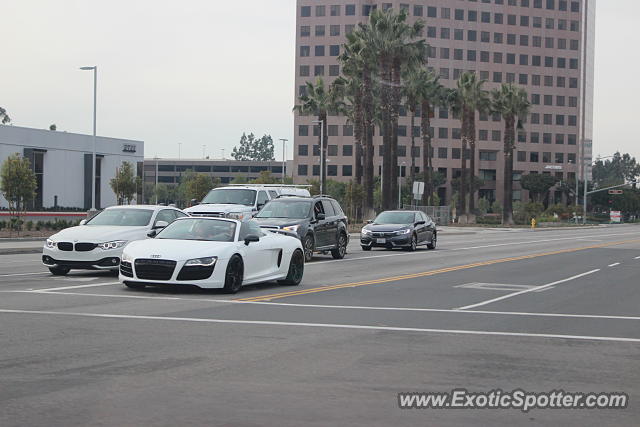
(126, 257)
(112, 245)
(293, 228)
(405, 231)
(236, 215)
(366, 231)
(201, 262)
(51, 244)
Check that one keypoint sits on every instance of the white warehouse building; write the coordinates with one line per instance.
(62, 164)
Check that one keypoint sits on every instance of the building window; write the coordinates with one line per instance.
(347, 150)
(303, 130)
(305, 51)
(332, 130)
(347, 170)
(350, 9)
(319, 10)
(332, 170)
(302, 170)
(319, 50)
(319, 30)
(522, 156)
(334, 30)
(496, 135)
(490, 156)
(334, 70)
(559, 138)
(304, 71)
(305, 11)
(305, 31)
(534, 157)
(316, 170)
(303, 150)
(318, 70)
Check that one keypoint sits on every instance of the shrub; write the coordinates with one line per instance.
(490, 219)
(3, 224)
(29, 225)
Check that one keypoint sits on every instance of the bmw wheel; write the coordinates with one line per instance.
(233, 275)
(341, 250)
(434, 241)
(296, 269)
(308, 244)
(59, 271)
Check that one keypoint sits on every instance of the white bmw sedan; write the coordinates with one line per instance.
(97, 244)
(213, 253)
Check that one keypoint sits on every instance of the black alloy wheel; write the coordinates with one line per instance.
(233, 275)
(341, 250)
(59, 271)
(296, 269)
(434, 241)
(308, 244)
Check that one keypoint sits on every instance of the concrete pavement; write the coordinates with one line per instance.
(492, 309)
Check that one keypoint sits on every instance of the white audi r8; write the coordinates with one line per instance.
(213, 253)
(97, 244)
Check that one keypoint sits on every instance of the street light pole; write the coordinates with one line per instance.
(93, 161)
(156, 187)
(203, 149)
(321, 122)
(179, 147)
(400, 186)
(284, 144)
(584, 175)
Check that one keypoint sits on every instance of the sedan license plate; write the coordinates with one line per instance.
(381, 241)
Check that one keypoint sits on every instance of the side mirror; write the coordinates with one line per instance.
(251, 238)
(369, 221)
(160, 224)
(194, 202)
(320, 216)
(420, 223)
(83, 222)
(260, 206)
(152, 233)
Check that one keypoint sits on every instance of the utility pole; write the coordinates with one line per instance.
(284, 144)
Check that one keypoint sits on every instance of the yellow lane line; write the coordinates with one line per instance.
(427, 273)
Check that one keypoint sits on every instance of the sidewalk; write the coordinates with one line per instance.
(28, 245)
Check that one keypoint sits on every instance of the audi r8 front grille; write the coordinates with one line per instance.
(154, 269)
(85, 247)
(126, 269)
(65, 246)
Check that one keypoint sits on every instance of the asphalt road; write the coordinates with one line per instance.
(537, 311)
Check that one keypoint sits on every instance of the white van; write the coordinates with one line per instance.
(238, 201)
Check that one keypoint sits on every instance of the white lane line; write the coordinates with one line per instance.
(62, 288)
(614, 264)
(322, 325)
(638, 257)
(537, 288)
(23, 274)
(351, 307)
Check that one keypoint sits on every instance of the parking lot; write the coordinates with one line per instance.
(489, 309)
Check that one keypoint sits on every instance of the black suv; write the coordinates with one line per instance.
(318, 221)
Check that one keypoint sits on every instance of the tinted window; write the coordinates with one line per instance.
(248, 228)
(215, 230)
(337, 208)
(273, 194)
(165, 215)
(179, 214)
(122, 217)
(394, 218)
(317, 208)
(234, 196)
(262, 198)
(328, 209)
(283, 208)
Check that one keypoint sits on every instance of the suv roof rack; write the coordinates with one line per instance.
(291, 195)
(323, 195)
(269, 185)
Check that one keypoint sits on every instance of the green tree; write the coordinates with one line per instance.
(538, 185)
(197, 185)
(162, 193)
(239, 179)
(466, 100)
(4, 117)
(266, 178)
(124, 184)
(17, 183)
(319, 101)
(254, 149)
(512, 103)
(397, 46)
(615, 171)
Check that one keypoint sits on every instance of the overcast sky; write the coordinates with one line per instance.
(203, 72)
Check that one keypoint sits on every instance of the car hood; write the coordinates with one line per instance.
(214, 208)
(279, 222)
(386, 227)
(100, 233)
(179, 250)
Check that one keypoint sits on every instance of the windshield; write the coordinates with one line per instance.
(214, 230)
(234, 196)
(286, 209)
(122, 217)
(395, 218)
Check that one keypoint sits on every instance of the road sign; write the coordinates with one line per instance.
(615, 191)
(418, 188)
(615, 216)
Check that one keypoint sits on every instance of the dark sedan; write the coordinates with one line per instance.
(399, 229)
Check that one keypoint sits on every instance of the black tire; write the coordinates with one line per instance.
(296, 269)
(308, 244)
(414, 244)
(434, 241)
(59, 271)
(233, 275)
(134, 285)
(366, 248)
(341, 250)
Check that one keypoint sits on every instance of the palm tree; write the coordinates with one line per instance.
(468, 98)
(512, 103)
(320, 101)
(4, 117)
(395, 45)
